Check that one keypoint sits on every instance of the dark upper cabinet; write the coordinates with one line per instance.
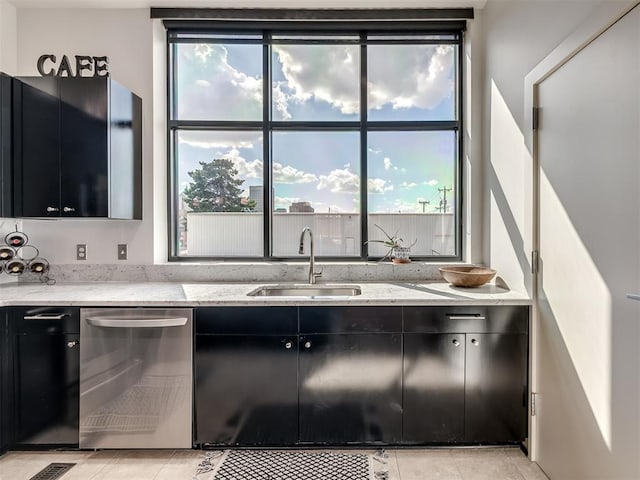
(6, 110)
(77, 148)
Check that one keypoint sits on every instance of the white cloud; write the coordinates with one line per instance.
(378, 185)
(418, 76)
(432, 183)
(288, 174)
(284, 202)
(246, 169)
(408, 184)
(340, 180)
(387, 163)
(210, 88)
(204, 139)
(322, 72)
(374, 151)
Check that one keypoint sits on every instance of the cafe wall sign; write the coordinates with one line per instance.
(83, 66)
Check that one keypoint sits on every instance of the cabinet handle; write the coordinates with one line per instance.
(68, 209)
(288, 345)
(456, 343)
(46, 316)
(53, 209)
(475, 342)
(453, 316)
(72, 344)
(307, 344)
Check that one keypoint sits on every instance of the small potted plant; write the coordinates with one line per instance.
(398, 252)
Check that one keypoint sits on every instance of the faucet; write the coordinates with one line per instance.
(312, 263)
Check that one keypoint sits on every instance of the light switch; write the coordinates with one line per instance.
(122, 251)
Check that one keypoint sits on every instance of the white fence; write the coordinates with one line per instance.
(335, 235)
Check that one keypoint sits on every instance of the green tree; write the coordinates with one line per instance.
(215, 188)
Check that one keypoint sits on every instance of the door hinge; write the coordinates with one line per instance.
(536, 118)
(535, 259)
(534, 406)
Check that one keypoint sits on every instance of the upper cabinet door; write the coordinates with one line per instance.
(37, 148)
(77, 149)
(84, 167)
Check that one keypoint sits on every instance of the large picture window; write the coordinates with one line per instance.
(347, 132)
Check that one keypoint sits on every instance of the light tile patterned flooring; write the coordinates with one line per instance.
(405, 464)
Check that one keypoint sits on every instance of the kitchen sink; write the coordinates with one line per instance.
(307, 291)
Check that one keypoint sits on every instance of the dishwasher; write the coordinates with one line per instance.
(135, 378)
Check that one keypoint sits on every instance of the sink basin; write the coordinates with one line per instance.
(307, 291)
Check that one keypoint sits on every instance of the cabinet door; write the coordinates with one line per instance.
(46, 372)
(433, 388)
(246, 389)
(84, 182)
(496, 387)
(37, 149)
(4, 382)
(47, 382)
(350, 388)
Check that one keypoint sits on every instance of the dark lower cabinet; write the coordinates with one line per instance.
(46, 376)
(5, 385)
(350, 388)
(246, 376)
(246, 389)
(496, 387)
(465, 374)
(434, 388)
(335, 375)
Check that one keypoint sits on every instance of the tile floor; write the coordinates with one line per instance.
(406, 464)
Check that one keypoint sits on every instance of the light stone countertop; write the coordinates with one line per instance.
(170, 294)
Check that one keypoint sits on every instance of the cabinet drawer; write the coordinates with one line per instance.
(50, 320)
(467, 319)
(350, 319)
(249, 320)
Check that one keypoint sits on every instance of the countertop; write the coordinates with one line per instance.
(167, 294)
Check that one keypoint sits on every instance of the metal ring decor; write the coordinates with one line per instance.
(18, 257)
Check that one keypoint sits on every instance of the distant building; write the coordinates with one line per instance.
(256, 193)
(301, 207)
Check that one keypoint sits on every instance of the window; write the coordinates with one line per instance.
(274, 130)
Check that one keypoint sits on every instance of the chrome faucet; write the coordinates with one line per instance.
(312, 262)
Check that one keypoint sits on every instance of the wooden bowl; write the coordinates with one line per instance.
(467, 276)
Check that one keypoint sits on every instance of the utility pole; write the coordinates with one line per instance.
(443, 202)
(424, 203)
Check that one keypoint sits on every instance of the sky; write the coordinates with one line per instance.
(321, 82)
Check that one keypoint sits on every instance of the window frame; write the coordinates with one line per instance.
(266, 29)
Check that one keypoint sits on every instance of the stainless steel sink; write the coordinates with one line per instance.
(307, 291)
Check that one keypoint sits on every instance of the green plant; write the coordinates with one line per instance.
(392, 241)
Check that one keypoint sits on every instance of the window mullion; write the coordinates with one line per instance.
(364, 217)
(266, 145)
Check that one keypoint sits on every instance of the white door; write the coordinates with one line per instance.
(588, 340)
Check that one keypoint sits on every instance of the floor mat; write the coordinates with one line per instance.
(291, 465)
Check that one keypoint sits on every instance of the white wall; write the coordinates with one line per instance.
(517, 35)
(125, 36)
(8, 38)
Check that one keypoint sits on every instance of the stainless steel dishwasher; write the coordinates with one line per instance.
(135, 378)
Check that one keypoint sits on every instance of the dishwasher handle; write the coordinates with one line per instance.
(143, 322)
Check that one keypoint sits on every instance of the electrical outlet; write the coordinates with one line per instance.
(81, 251)
(122, 251)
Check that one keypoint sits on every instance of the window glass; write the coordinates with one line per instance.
(316, 183)
(411, 190)
(316, 82)
(411, 82)
(253, 164)
(219, 178)
(216, 81)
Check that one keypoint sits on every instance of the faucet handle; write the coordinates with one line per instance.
(317, 273)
